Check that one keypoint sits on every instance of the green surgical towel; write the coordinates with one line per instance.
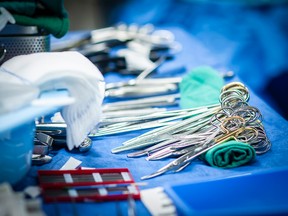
(200, 87)
(229, 154)
(46, 14)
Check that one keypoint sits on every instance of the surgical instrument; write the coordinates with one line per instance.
(139, 78)
(39, 159)
(237, 133)
(123, 32)
(58, 132)
(129, 112)
(162, 133)
(142, 103)
(186, 139)
(142, 86)
(141, 91)
(142, 121)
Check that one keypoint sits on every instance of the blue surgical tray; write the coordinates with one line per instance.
(261, 193)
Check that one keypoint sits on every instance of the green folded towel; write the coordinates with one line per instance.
(46, 14)
(229, 154)
(200, 87)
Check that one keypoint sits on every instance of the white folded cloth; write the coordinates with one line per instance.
(64, 70)
(14, 96)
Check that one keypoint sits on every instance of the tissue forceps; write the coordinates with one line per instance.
(231, 128)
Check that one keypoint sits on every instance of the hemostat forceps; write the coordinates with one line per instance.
(230, 128)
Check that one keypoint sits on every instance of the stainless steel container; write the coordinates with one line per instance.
(19, 40)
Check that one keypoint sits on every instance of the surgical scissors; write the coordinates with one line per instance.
(185, 142)
(231, 128)
(235, 120)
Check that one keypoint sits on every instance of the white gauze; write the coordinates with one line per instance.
(65, 70)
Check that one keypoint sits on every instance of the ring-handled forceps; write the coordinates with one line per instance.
(190, 137)
(232, 94)
(262, 144)
(231, 128)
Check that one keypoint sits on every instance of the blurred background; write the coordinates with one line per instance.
(249, 37)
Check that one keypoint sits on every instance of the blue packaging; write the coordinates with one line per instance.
(16, 152)
(261, 193)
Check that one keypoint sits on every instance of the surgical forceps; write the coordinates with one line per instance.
(143, 103)
(141, 86)
(124, 33)
(125, 124)
(241, 123)
(231, 94)
(235, 119)
(231, 128)
(161, 134)
(181, 143)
